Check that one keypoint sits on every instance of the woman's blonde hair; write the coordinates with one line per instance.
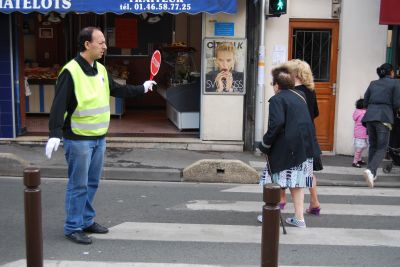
(301, 70)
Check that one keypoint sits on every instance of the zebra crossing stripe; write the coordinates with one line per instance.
(184, 232)
(216, 233)
(52, 263)
(328, 208)
(326, 190)
(342, 237)
(339, 170)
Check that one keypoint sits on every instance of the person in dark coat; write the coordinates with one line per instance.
(304, 81)
(381, 99)
(290, 142)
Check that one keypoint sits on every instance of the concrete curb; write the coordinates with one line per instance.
(142, 174)
(220, 171)
(111, 173)
(191, 144)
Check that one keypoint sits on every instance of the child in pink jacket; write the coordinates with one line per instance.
(360, 134)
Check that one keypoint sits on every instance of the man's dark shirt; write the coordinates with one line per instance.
(65, 100)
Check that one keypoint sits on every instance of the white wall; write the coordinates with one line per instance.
(222, 115)
(277, 33)
(362, 48)
(362, 45)
(318, 9)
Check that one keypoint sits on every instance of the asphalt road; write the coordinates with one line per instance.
(167, 224)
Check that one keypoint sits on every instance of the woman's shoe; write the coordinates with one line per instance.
(259, 218)
(296, 222)
(356, 165)
(313, 211)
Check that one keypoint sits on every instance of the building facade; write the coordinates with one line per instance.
(343, 40)
(355, 45)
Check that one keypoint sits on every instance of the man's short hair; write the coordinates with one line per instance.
(85, 35)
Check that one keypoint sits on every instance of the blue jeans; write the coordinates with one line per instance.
(378, 135)
(85, 164)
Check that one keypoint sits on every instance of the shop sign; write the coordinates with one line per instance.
(224, 68)
(389, 13)
(119, 6)
(224, 29)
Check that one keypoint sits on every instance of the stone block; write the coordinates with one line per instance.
(220, 171)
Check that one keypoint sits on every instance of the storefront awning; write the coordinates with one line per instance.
(118, 6)
(390, 12)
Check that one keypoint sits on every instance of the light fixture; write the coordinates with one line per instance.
(151, 18)
(54, 18)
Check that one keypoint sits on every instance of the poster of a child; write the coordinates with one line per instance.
(224, 66)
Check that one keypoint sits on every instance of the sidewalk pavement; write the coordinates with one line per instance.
(166, 164)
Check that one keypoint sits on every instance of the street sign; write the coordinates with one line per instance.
(155, 64)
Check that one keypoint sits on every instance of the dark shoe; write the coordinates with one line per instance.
(79, 237)
(357, 165)
(96, 228)
(313, 211)
(361, 162)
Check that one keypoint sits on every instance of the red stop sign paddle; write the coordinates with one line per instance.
(155, 64)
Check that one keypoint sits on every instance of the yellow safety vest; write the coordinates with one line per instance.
(92, 114)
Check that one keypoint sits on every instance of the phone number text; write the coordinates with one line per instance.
(155, 7)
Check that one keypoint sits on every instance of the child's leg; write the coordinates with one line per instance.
(362, 148)
(357, 154)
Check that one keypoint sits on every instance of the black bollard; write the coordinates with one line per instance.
(270, 226)
(33, 218)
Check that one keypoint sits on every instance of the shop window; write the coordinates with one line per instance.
(313, 46)
(136, 35)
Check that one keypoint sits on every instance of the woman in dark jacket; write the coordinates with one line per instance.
(304, 81)
(290, 142)
(381, 99)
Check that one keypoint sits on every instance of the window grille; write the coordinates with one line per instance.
(314, 47)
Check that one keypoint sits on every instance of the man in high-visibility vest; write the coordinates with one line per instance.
(81, 115)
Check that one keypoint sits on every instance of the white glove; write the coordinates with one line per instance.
(52, 144)
(148, 86)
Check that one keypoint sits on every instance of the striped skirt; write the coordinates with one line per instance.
(298, 176)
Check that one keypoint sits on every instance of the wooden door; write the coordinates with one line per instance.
(316, 42)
